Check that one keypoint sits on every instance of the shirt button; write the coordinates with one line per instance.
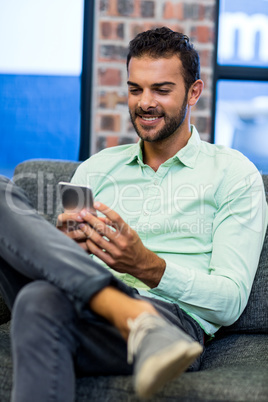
(145, 213)
(156, 182)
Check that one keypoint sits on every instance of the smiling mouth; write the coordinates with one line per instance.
(149, 118)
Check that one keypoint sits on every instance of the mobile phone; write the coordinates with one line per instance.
(75, 197)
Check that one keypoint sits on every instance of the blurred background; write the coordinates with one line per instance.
(240, 101)
(63, 91)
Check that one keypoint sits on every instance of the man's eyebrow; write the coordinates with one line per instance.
(156, 84)
(132, 83)
(160, 84)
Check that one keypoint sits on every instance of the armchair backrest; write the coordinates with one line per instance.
(39, 179)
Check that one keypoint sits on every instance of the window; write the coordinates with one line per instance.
(40, 80)
(241, 79)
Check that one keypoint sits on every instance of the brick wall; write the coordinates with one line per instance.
(117, 22)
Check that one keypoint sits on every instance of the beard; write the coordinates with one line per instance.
(172, 124)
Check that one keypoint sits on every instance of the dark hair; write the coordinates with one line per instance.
(163, 42)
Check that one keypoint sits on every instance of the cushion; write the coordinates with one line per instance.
(234, 369)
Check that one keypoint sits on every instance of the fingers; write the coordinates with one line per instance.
(106, 236)
(112, 217)
(68, 216)
(68, 223)
(102, 254)
(98, 237)
(102, 225)
(106, 220)
(84, 246)
(76, 234)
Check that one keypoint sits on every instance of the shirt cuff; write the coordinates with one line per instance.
(174, 283)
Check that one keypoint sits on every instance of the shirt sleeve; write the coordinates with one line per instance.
(221, 294)
(83, 175)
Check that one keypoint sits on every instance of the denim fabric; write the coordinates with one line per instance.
(37, 250)
(47, 279)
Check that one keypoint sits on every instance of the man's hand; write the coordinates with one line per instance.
(68, 223)
(113, 241)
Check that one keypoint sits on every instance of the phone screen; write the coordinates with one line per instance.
(74, 197)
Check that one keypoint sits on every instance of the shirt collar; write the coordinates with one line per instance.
(187, 155)
(136, 154)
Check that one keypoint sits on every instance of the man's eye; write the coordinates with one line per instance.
(134, 90)
(163, 91)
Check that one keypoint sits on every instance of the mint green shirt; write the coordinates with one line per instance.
(203, 211)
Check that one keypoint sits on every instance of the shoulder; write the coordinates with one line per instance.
(233, 171)
(119, 153)
(104, 161)
(221, 151)
(226, 159)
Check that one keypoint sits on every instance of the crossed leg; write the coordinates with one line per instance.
(53, 286)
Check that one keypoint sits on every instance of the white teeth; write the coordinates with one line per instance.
(149, 118)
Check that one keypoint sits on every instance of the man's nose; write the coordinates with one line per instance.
(147, 100)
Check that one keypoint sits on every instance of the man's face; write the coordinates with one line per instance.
(157, 99)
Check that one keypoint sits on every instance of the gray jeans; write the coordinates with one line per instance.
(46, 280)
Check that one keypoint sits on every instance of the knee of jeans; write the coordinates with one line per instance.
(44, 300)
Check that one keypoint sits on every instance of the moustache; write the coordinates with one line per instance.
(152, 112)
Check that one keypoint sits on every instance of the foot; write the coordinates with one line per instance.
(160, 352)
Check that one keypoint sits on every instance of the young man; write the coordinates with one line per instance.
(171, 256)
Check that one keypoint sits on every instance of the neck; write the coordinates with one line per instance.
(156, 153)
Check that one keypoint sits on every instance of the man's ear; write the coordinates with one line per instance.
(195, 92)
